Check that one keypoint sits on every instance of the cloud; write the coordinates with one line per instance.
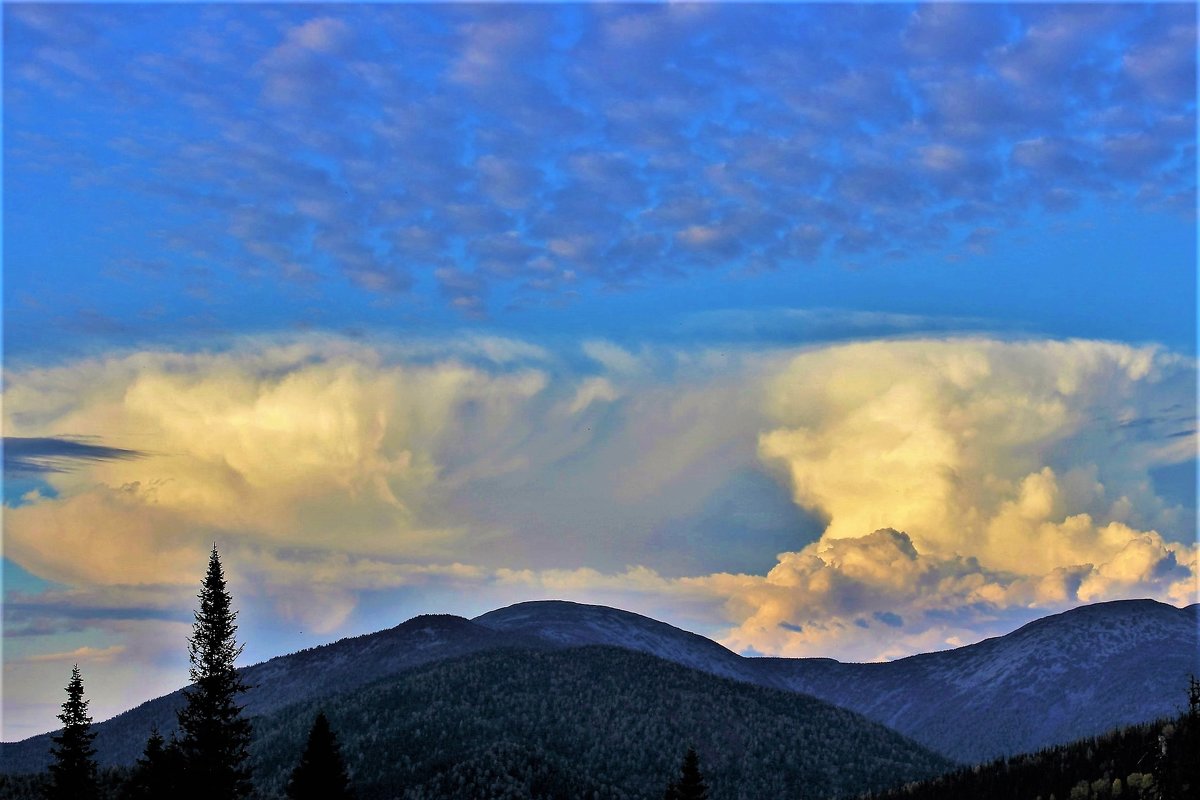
(863, 501)
(815, 601)
(34, 455)
(551, 153)
(79, 655)
(939, 438)
(998, 476)
(256, 447)
(1017, 471)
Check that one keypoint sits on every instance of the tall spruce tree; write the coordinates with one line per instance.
(214, 736)
(73, 771)
(690, 784)
(321, 773)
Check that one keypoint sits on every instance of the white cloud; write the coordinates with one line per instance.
(963, 481)
(293, 445)
(953, 441)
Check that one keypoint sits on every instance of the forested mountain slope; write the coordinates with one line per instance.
(1080, 673)
(1055, 680)
(589, 722)
(1150, 761)
(312, 673)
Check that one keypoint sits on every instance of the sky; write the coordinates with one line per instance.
(822, 330)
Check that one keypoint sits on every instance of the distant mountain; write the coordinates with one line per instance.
(1074, 674)
(566, 624)
(1079, 673)
(1058, 679)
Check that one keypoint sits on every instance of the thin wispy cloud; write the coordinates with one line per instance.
(24, 456)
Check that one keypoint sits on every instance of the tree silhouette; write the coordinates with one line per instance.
(156, 773)
(321, 773)
(690, 785)
(214, 736)
(73, 772)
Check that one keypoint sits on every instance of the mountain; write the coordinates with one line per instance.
(1079, 673)
(1060, 678)
(312, 673)
(592, 721)
(573, 624)
(1149, 761)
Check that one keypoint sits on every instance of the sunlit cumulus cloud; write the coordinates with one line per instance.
(964, 478)
(954, 484)
(295, 446)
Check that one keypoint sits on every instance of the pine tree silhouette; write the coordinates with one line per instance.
(73, 772)
(214, 736)
(690, 785)
(321, 773)
(155, 774)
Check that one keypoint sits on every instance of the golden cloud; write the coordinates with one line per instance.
(960, 478)
(960, 443)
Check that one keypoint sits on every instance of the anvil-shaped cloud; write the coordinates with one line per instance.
(993, 474)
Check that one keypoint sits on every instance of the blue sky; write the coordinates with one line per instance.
(769, 320)
(537, 168)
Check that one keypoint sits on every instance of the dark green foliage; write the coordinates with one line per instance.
(596, 722)
(156, 773)
(1178, 768)
(690, 784)
(73, 771)
(504, 771)
(321, 773)
(1128, 763)
(214, 736)
(109, 785)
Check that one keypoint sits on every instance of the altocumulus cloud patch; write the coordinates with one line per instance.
(497, 158)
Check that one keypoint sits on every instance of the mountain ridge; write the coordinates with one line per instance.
(1075, 673)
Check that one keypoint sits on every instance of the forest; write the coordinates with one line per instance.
(596, 722)
(1152, 761)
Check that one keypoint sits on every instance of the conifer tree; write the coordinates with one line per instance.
(690, 785)
(214, 736)
(155, 774)
(73, 772)
(321, 773)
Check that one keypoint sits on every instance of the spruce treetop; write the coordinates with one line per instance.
(214, 735)
(73, 772)
(212, 648)
(74, 709)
